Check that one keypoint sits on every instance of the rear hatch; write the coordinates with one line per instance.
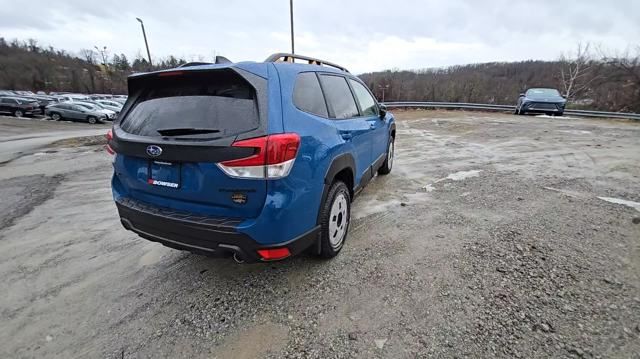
(174, 129)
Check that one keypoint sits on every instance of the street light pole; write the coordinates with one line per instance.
(383, 88)
(144, 34)
(293, 49)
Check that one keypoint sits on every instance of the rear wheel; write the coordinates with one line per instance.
(56, 116)
(560, 114)
(388, 162)
(18, 113)
(336, 213)
(92, 119)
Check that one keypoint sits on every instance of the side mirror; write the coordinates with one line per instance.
(522, 94)
(382, 109)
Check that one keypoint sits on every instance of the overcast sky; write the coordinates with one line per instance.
(361, 35)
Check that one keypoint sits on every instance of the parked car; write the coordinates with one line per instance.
(19, 106)
(111, 105)
(74, 112)
(43, 101)
(73, 97)
(258, 160)
(111, 115)
(541, 100)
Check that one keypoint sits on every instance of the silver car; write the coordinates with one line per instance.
(74, 112)
(111, 115)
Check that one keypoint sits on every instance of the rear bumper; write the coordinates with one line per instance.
(199, 234)
(542, 107)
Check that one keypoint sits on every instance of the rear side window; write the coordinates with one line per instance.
(219, 100)
(366, 101)
(307, 94)
(339, 96)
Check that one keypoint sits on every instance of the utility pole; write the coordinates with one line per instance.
(293, 49)
(383, 88)
(144, 34)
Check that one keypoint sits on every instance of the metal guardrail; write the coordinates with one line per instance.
(490, 107)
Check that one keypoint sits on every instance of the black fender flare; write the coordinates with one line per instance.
(338, 164)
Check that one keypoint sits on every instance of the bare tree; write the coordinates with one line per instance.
(576, 71)
(628, 73)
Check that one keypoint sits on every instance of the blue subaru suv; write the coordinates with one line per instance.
(255, 160)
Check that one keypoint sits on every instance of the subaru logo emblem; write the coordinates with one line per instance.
(154, 151)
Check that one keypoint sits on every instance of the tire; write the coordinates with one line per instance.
(388, 162)
(522, 113)
(56, 116)
(516, 112)
(18, 113)
(92, 119)
(335, 218)
(559, 114)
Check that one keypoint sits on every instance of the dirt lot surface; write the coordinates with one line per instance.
(493, 236)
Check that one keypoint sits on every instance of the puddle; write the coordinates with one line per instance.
(634, 205)
(366, 208)
(461, 175)
(153, 256)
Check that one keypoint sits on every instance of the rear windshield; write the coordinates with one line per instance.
(218, 100)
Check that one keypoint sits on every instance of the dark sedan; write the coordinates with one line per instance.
(541, 100)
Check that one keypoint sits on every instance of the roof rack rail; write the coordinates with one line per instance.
(285, 57)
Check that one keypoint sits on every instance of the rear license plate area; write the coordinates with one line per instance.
(165, 174)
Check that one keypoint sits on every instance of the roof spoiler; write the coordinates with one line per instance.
(219, 60)
(285, 57)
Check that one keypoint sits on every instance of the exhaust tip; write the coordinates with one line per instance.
(237, 258)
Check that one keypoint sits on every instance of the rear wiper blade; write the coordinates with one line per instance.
(185, 131)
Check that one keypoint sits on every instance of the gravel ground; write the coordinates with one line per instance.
(490, 238)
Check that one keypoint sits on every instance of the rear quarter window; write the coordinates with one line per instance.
(220, 100)
(307, 94)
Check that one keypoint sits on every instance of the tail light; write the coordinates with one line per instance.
(274, 254)
(273, 157)
(109, 138)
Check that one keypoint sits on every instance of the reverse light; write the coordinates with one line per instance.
(274, 254)
(273, 157)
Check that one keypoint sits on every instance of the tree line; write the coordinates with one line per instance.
(25, 65)
(589, 78)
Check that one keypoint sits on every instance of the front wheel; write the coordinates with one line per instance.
(336, 213)
(92, 120)
(56, 116)
(388, 162)
(18, 113)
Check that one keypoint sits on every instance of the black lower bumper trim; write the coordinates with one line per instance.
(207, 236)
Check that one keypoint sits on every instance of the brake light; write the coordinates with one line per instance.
(273, 157)
(274, 254)
(109, 138)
